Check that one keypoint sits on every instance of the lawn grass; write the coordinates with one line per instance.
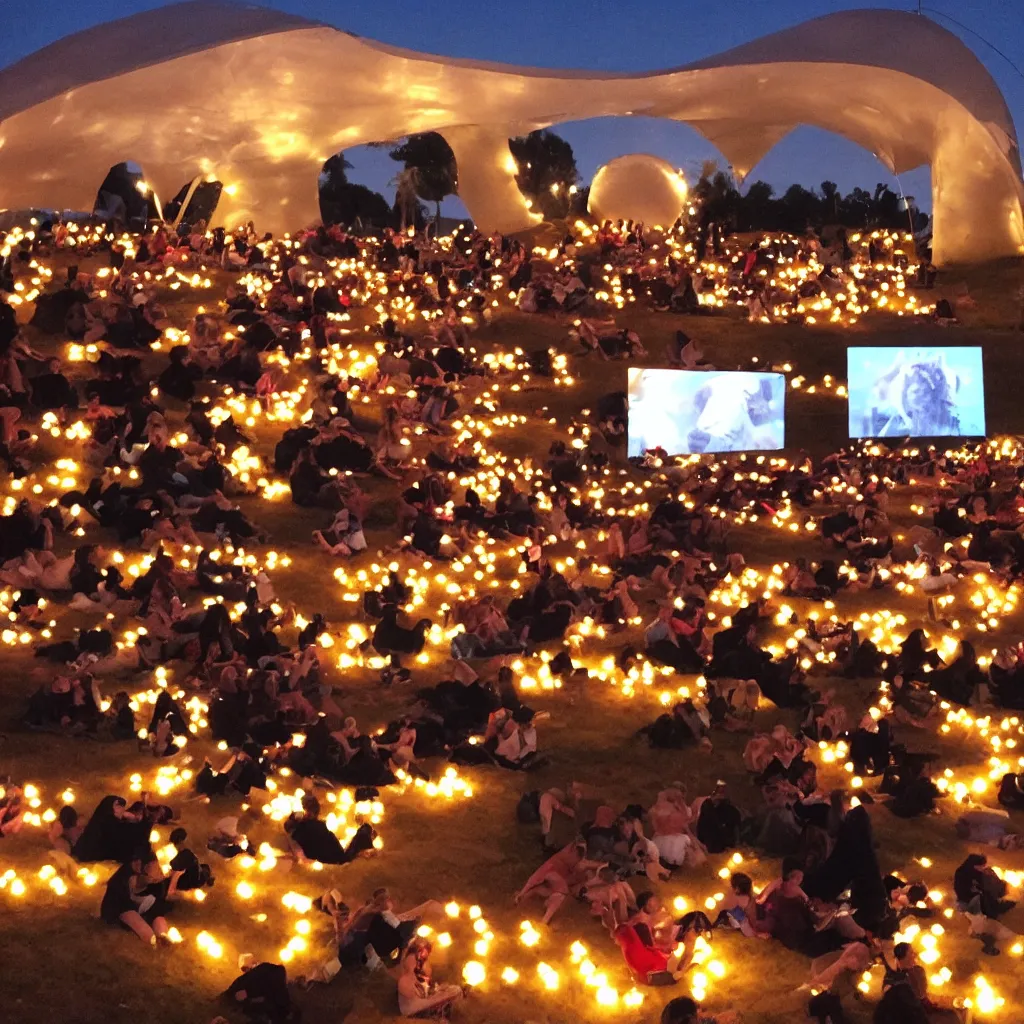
(62, 964)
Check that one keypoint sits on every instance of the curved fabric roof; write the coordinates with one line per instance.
(893, 40)
(261, 98)
(116, 47)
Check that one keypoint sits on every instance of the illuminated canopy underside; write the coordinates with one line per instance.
(261, 99)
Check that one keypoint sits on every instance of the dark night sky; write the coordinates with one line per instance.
(612, 35)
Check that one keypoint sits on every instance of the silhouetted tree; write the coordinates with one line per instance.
(757, 209)
(406, 201)
(799, 209)
(434, 163)
(344, 202)
(333, 172)
(886, 212)
(547, 170)
(855, 209)
(719, 198)
(830, 201)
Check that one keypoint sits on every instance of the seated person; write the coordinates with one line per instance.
(186, 871)
(12, 812)
(66, 830)
(718, 821)
(261, 991)
(559, 875)
(377, 933)
(790, 917)
(418, 994)
(311, 840)
(343, 537)
(517, 740)
(647, 964)
(739, 909)
(908, 973)
(128, 901)
(684, 1010)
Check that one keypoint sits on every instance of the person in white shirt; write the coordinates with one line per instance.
(517, 743)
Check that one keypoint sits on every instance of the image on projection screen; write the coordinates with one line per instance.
(916, 392)
(689, 412)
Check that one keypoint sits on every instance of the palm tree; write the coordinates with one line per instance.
(434, 162)
(406, 184)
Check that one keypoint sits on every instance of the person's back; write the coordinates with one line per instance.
(317, 842)
(966, 883)
(789, 918)
(899, 1005)
(717, 824)
(263, 989)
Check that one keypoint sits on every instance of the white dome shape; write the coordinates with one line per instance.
(638, 187)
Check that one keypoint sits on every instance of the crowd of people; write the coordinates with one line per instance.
(347, 374)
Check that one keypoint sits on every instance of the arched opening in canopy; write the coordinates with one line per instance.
(126, 196)
(195, 201)
(364, 186)
(810, 177)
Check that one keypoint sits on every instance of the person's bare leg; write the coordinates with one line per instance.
(548, 803)
(9, 415)
(848, 928)
(618, 902)
(331, 708)
(552, 905)
(134, 921)
(431, 908)
(655, 872)
(332, 549)
(825, 970)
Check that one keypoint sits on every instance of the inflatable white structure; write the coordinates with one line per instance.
(260, 99)
(640, 187)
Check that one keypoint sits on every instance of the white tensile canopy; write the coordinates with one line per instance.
(261, 99)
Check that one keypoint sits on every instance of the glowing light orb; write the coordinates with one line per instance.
(638, 187)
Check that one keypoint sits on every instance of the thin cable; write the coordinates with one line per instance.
(966, 28)
(906, 205)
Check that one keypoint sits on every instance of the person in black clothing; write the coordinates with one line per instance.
(853, 865)
(900, 1005)
(735, 655)
(313, 840)
(914, 655)
(128, 901)
(309, 484)
(112, 833)
(84, 576)
(52, 390)
(378, 931)
(959, 680)
(261, 992)
(245, 770)
(1011, 791)
(186, 871)
(913, 792)
(216, 628)
(178, 380)
(165, 724)
(718, 824)
(682, 728)
(870, 748)
(979, 890)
